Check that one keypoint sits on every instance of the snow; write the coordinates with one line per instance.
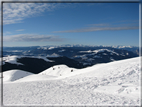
(13, 59)
(99, 51)
(86, 51)
(110, 84)
(45, 48)
(102, 50)
(53, 55)
(12, 75)
(111, 59)
(61, 50)
(90, 60)
(35, 77)
(96, 56)
(81, 56)
(58, 70)
(51, 48)
(14, 51)
(124, 46)
(44, 58)
(78, 56)
(48, 74)
(104, 54)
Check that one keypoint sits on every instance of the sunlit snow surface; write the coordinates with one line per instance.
(13, 59)
(12, 75)
(112, 84)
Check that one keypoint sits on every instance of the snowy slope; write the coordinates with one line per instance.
(13, 59)
(99, 51)
(36, 77)
(120, 77)
(113, 84)
(13, 75)
(58, 70)
(52, 73)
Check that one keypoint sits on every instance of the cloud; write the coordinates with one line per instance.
(16, 12)
(20, 30)
(32, 38)
(99, 27)
(102, 24)
(7, 33)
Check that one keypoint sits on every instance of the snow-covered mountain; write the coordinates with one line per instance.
(92, 57)
(13, 75)
(36, 64)
(88, 56)
(116, 83)
(72, 57)
(27, 50)
(85, 55)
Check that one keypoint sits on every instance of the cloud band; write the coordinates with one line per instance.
(32, 38)
(92, 29)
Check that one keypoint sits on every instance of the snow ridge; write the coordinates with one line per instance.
(58, 70)
(13, 59)
(99, 51)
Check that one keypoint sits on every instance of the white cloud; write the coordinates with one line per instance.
(16, 12)
(31, 38)
(20, 30)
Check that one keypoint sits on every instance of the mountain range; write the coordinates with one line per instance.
(36, 59)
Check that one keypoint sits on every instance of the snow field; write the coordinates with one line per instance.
(114, 84)
(59, 93)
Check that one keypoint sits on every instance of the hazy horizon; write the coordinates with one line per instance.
(75, 45)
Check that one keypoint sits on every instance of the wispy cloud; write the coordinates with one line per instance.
(101, 24)
(7, 33)
(20, 30)
(99, 27)
(32, 38)
(16, 12)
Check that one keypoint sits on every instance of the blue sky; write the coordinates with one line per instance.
(40, 24)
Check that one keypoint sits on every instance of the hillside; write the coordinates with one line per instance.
(115, 84)
(36, 64)
(85, 55)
